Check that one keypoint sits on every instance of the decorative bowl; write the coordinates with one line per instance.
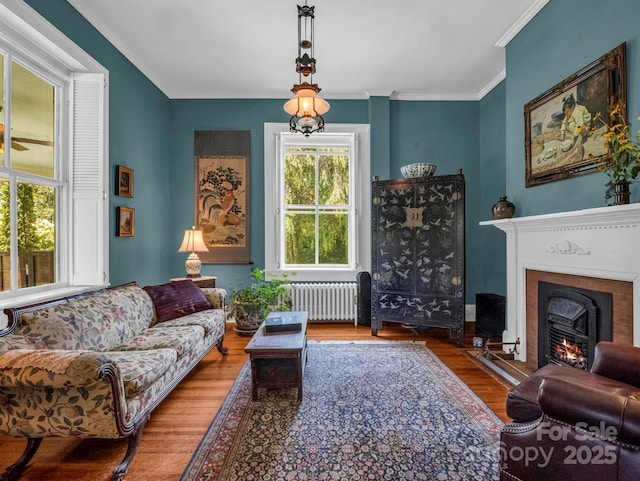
(419, 169)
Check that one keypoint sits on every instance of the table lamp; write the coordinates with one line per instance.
(193, 242)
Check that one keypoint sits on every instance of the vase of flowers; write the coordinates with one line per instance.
(623, 165)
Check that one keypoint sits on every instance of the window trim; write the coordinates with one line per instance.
(37, 44)
(273, 141)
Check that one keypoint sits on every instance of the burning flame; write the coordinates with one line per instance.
(568, 351)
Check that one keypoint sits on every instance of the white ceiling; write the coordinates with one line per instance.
(406, 49)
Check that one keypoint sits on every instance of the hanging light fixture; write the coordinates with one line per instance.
(306, 106)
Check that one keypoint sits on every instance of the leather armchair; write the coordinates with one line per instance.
(572, 424)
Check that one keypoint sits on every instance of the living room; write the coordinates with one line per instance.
(152, 134)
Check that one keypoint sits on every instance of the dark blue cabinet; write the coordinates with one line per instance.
(417, 270)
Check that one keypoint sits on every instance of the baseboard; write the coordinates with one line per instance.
(470, 313)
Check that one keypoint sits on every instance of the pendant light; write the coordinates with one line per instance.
(306, 107)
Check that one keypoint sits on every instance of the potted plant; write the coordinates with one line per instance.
(251, 305)
(623, 167)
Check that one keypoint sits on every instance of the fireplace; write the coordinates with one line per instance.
(571, 321)
(591, 248)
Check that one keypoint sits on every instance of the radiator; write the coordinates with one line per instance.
(325, 301)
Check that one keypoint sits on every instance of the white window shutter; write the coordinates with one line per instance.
(89, 179)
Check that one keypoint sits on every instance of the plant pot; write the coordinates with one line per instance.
(248, 316)
(621, 193)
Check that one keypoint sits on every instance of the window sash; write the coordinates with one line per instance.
(315, 147)
(354, 136)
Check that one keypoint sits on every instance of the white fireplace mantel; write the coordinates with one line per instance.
(602, 242)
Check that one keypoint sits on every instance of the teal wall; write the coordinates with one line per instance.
(491, 260)
(139, 116)
(187, 116)
(564, 37)
(404, 132)
(446, 134)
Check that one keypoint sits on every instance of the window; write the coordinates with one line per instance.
(53, 203)
(316, 206)
(30, 185)
(318, 198)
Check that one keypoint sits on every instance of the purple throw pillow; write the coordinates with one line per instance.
(177, 299)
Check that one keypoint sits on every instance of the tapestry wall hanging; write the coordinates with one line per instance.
(221, 195)
(561, 137)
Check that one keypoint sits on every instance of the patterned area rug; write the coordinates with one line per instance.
(370, 411)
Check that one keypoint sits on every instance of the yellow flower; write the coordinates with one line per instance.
(622, 161)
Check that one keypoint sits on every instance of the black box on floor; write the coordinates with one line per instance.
(490, 315)
(363, 280)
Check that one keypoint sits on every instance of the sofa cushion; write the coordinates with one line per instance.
(177, 299)
(140, 369)
(12, 342)
(95, 323)
(182, 339)
(212, 321)
(215, 296)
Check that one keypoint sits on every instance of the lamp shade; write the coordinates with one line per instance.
(193, 241)
(306, 102)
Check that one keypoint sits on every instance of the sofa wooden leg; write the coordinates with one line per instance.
(223, 350)
(132, 448)
(14, 471)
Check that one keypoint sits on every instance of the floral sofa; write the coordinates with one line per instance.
(95, 365)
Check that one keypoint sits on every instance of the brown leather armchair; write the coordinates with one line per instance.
(571, 424)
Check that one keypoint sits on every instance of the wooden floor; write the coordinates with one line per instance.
(179, 423)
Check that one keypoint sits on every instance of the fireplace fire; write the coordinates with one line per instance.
(571, 322)
(567, 353)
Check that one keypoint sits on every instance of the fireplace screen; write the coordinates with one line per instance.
(568, 322)
(571, 323)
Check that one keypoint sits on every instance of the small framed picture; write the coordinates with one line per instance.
(124, 181)
(126, 222)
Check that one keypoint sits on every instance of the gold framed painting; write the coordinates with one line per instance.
(125, 217)
(124, 181)
(561, 138)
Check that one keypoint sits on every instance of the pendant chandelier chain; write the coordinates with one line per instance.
(306, 106)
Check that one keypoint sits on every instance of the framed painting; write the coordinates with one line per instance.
(125, 226)
(561, 137)
(124, 181)
(222, 207)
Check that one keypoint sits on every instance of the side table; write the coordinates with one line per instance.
(202, 281)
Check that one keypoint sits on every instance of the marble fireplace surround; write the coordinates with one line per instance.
(601, 243)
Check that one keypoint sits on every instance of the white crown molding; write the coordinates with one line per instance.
(380, 93)
(526, 17)
(434, 97)
(492, 84)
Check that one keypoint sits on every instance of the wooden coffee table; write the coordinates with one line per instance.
(278, 360)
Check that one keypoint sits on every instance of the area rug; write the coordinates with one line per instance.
(370, 411)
